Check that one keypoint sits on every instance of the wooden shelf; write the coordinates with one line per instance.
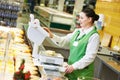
(111, 11)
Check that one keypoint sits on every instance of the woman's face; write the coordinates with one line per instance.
(84, 20)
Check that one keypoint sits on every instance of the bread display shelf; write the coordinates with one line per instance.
(13, 49)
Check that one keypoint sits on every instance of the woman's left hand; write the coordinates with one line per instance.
(69, 69)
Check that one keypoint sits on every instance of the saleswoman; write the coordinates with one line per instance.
(84, 44)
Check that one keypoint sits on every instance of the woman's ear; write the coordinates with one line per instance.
(90, 19)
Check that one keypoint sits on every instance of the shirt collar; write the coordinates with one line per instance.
(86, 31)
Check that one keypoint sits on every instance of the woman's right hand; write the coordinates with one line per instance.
(48, 30)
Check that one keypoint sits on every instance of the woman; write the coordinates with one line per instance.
(83, 42)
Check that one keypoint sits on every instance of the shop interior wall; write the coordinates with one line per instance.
(111, 11)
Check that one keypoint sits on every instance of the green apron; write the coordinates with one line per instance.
(77, 52)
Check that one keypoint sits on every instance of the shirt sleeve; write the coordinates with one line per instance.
(91, 52)
(63, 41)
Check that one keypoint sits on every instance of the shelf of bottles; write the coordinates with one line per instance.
(8, 13)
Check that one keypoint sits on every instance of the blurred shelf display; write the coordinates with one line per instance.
(69, 6)
(54, 18)
(8, 13)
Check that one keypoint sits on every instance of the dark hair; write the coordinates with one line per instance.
(91, 13)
